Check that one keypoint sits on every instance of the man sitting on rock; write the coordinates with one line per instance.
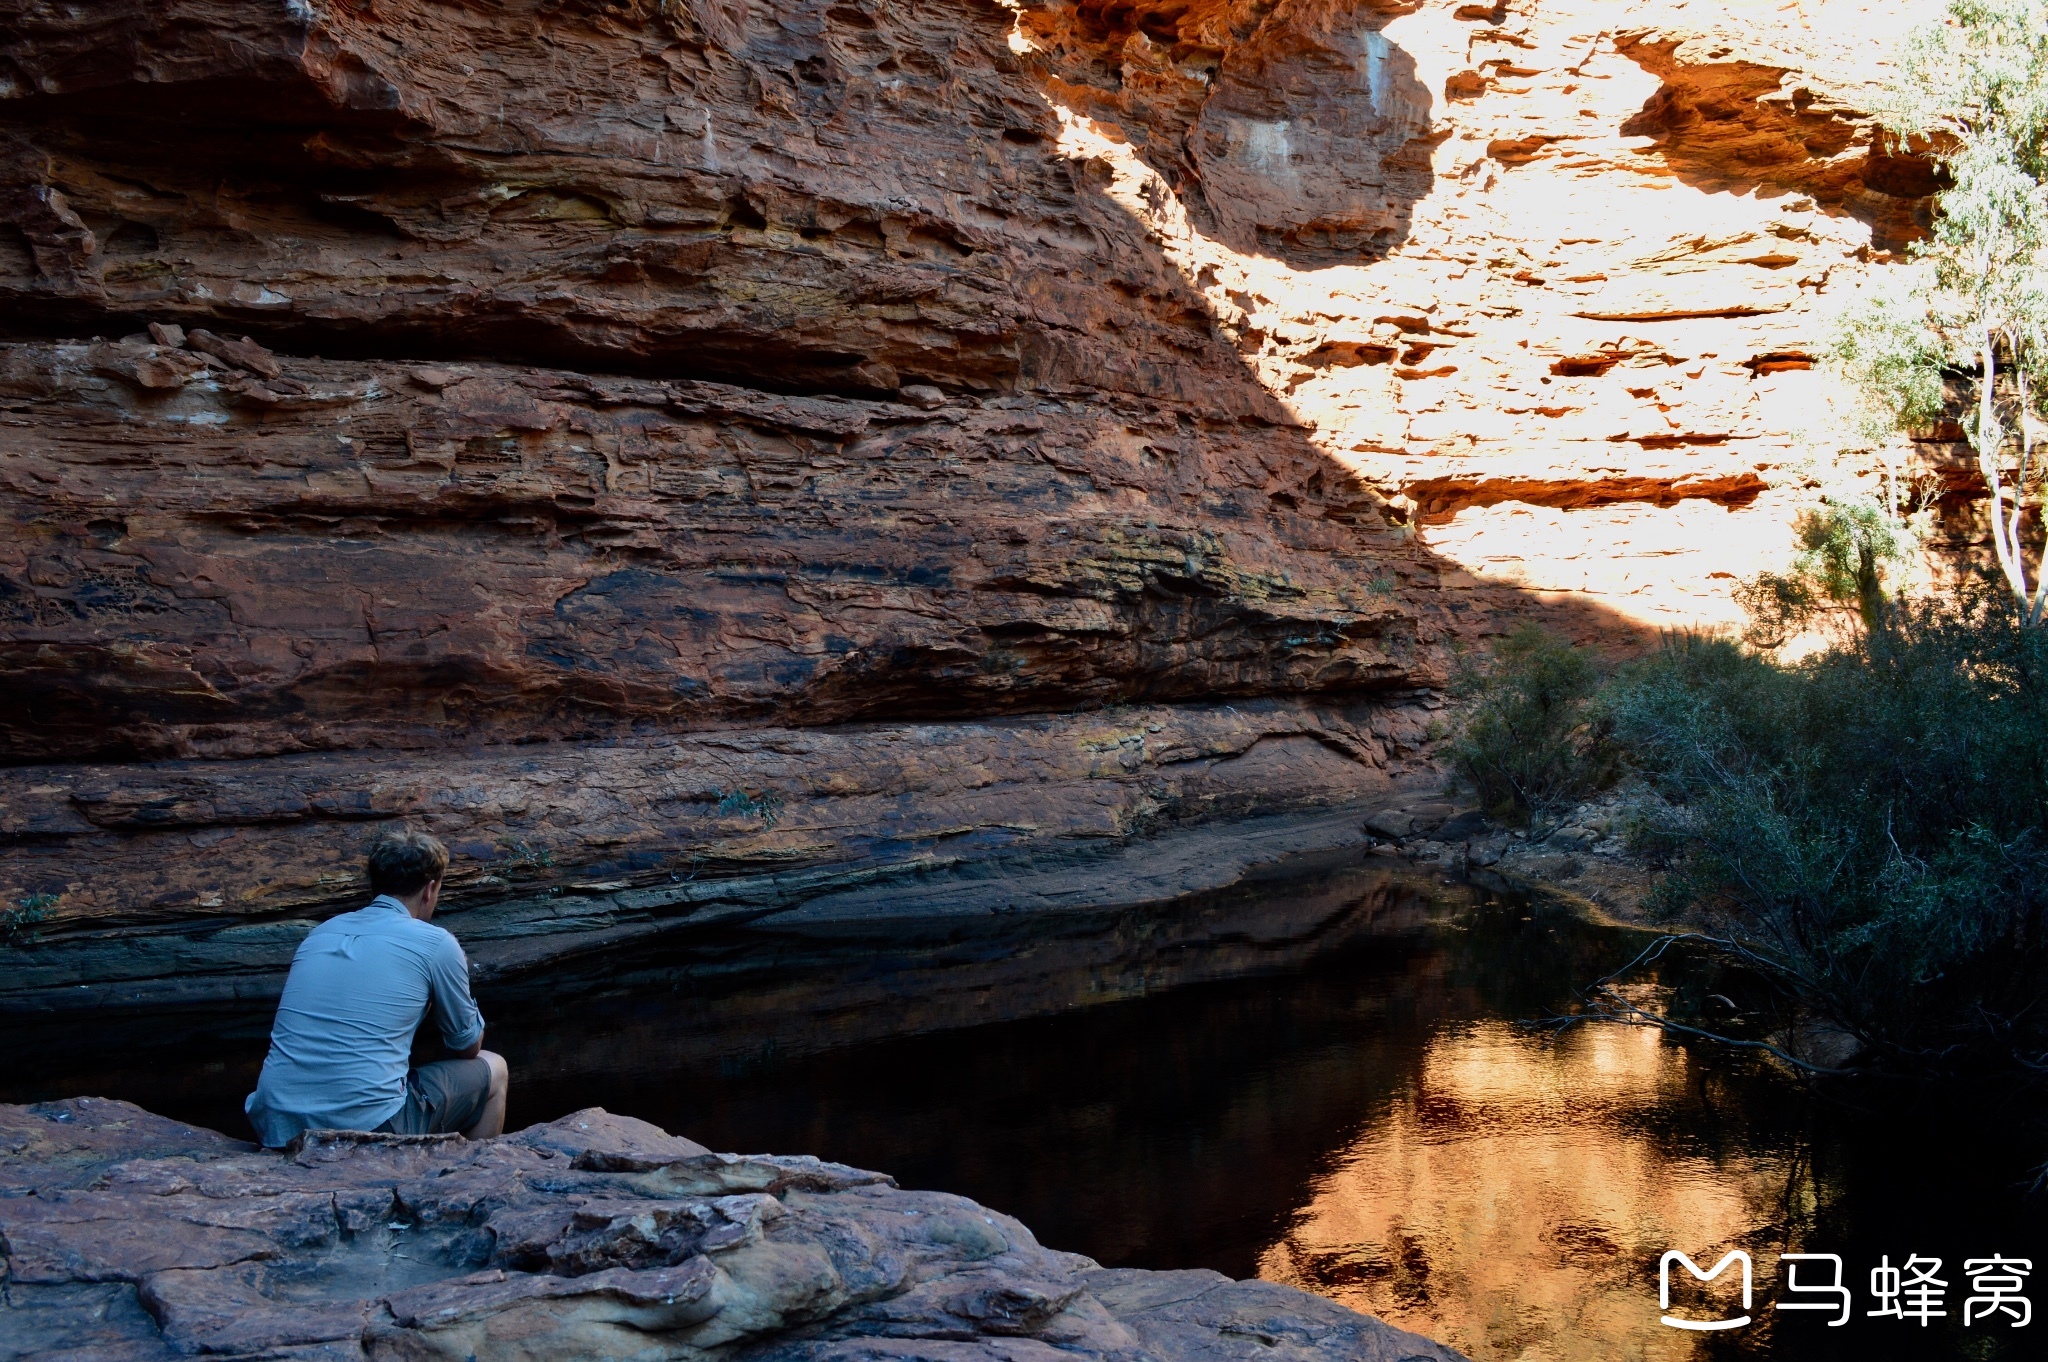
(359, 987)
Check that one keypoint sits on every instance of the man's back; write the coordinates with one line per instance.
(359, 986)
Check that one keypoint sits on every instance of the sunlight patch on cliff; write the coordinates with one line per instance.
(1581, 368)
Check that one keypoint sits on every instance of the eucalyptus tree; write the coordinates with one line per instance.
(1969, 314)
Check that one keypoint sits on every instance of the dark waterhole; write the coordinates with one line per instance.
(1316, 1078)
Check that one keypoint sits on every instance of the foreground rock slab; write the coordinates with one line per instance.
(129, 1236)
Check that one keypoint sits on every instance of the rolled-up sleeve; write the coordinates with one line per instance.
(455, 1011)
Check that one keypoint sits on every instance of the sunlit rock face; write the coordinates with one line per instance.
(1554, 278)
(624, 371)
(1298, 128)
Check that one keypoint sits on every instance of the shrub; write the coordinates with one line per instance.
(1846, 553)
(1865, 826)
(523, 856)
(1531, 743)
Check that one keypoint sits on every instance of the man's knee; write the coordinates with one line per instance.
(501, 1073)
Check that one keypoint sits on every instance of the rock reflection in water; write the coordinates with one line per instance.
(1508, 1201)
(768, 995)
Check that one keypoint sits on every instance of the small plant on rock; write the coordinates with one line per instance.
(1848, 556)
(765, 805)
(19, 924)
(526, 856)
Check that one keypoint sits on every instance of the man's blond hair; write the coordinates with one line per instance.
(403, 860)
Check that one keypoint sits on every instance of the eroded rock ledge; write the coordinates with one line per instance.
(132, 1237)
(563, 849)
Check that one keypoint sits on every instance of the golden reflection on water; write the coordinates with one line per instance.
(1514, 1201)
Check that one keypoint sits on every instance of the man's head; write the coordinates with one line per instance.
(408, 865)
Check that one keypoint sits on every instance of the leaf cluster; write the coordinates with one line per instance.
(20, 924)
(1869, 820)
(1847, 552)
(1974, 86)
(1530, 743)
(765, 805)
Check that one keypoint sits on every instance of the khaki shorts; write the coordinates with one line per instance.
(442, 1097)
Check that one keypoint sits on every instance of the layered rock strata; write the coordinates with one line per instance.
(353, 555)
(616, 434)
(131, 1237)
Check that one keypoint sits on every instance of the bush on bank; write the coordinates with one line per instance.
(1531, 744)
(1864, 825)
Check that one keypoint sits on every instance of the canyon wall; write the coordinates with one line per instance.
(677, 439)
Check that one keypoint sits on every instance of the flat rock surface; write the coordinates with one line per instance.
(129, 1236)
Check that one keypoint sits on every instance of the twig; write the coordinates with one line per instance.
(1601, 998)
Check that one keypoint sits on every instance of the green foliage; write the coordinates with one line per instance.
(1972, 312)
(765, 805)
(1845, 555)
(1976, 75)
(1890, 353)
(1531, 742)
(1867, 824)
(527, 856)
(18, 924)
(1975, 85)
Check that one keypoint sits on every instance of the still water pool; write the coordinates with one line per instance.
(1318, 1078)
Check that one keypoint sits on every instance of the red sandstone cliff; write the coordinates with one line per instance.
(678, 432)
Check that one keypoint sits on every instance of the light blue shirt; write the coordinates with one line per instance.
(359, 987)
